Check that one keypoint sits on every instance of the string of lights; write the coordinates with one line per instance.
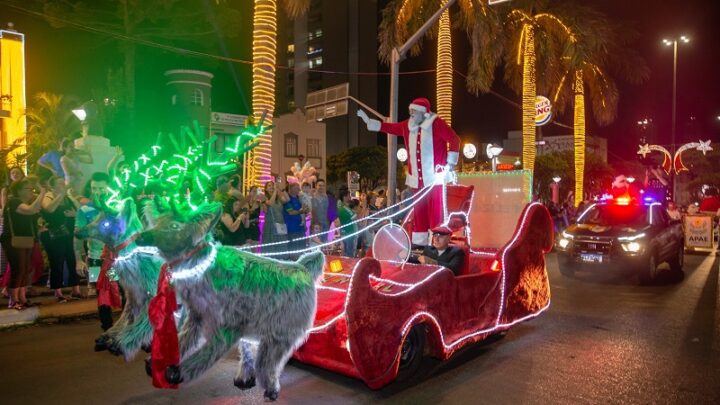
(444, 65)
(579, 136)
(190, 52)
(426, 190)
(415, 199)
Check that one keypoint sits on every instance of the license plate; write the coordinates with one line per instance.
(590, 258)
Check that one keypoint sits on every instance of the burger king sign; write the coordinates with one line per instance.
(543, 111)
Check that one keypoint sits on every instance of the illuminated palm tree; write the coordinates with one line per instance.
(401, 18)
(263, 96)
(590, 63)
(535, 44)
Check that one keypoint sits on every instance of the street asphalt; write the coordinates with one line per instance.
(604, 340)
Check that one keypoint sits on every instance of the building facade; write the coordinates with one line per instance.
(594, 145)
(295, 137)
(335, 42)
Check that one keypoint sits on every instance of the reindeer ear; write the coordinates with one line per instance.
(206, 217)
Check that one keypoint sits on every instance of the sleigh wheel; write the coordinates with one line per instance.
(411, 353)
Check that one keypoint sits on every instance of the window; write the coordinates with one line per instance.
(197, 98)
(318, 61)
(318, 33)
(310, 36)
(291, 48)
(291, 145)
(313, 148)
(291, 62)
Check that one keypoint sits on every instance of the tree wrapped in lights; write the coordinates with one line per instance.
(257, 167)
(598, 52)
(536, 38)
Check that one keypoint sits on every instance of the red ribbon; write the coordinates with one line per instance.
(108, 292)
(165, 347)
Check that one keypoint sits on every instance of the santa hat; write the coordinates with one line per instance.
(421, 104)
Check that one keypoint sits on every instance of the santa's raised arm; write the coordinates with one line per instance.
(430, 142)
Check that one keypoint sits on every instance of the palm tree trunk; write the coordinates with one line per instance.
(579, 136)
(444, 68)
(257, 171)
(528, 99)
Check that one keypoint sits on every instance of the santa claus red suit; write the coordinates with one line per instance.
(430, 142)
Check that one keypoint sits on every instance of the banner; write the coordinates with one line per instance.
(698, 231)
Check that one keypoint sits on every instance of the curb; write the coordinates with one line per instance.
(11, 317)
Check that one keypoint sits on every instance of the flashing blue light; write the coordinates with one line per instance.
(649, 199)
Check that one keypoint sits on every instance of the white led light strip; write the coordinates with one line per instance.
(334, 241)
(138, 249)
(417, 197)
(439, 180)
(199, 269)
(409, 322)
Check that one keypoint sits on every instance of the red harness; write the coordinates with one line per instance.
(165, 346)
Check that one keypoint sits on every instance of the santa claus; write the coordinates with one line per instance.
(430, 142)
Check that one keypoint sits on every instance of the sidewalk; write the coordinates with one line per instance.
(46, 309)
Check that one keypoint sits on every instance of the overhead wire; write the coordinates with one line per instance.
(185, 51)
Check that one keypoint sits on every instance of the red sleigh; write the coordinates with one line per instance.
(375, 319)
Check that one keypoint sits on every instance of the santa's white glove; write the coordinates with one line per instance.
(363, 115)
(450, 175)
(372, 125)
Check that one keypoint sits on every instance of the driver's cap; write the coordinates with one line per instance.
(442, 230)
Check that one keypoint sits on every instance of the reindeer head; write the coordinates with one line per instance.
(181, 230)
(114, 225)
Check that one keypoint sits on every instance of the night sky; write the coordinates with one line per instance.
(70, 61)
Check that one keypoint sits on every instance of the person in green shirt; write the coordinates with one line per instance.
(346, 215)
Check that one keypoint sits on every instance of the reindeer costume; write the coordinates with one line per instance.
(228, 295)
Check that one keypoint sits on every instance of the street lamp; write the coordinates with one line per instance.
(493, 151)
(89, 117)
(674, 43)
(80, 113)
(402, 154)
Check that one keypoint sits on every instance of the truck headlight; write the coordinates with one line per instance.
(563, 243)
(632, 247)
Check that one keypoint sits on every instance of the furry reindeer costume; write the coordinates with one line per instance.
(228, 295)
(136, 271)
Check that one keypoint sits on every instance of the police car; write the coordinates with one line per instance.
(622, 233)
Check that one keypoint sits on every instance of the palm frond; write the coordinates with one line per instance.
(295, 8)
(400, 19)
(604, 94)
(484, 30)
